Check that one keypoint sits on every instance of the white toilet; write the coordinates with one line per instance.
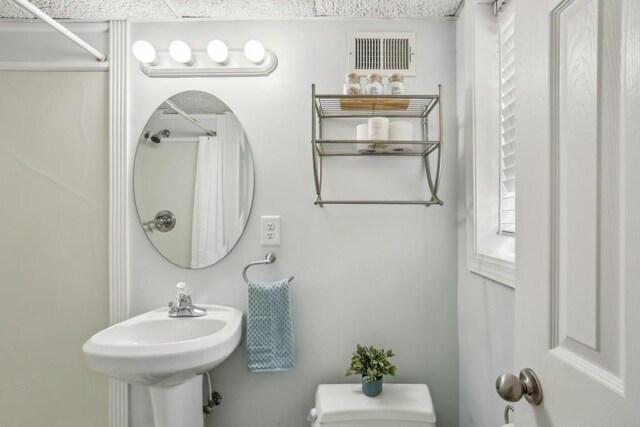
(399, 405)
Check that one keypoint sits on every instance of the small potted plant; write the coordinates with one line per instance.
(372, 364)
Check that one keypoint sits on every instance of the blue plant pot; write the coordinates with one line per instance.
(372, 388)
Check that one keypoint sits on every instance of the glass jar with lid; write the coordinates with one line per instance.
(374, 85)
(396, 84)
(352, 86)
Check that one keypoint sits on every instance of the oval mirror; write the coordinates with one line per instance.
(193, 179)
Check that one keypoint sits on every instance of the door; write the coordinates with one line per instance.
(578, 243)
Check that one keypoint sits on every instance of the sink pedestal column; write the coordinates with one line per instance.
(179, 405)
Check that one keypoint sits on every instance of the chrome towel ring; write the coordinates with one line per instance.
(269, 259)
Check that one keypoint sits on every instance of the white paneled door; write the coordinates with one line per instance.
(578, 245)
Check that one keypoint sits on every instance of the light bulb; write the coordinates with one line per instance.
(217, 51)
(144, 52)
(181, 52)
(254, 51)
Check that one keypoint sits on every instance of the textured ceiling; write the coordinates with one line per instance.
(387, 8)
(161, 9)
(196, 102)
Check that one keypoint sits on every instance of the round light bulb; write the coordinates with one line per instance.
(180, 52)
(254, 51)
(217, 51)
(144, 52)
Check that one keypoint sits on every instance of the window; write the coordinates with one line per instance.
(487, 72)
(507, 210)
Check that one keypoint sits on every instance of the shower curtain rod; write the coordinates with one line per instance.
(178, 110)
(61, 29)
(181, 139)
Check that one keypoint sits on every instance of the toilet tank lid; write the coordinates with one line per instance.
(397, 402)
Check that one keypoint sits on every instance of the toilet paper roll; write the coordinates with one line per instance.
(362, 134)
(400, 131)
(378, 128)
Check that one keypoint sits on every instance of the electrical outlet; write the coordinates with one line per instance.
(270, 230)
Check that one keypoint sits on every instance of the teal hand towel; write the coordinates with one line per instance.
(269, 334)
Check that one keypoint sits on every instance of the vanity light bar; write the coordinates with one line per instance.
(216, 60)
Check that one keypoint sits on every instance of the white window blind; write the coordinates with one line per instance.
(507, 222)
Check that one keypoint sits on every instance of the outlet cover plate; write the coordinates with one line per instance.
(270, 230)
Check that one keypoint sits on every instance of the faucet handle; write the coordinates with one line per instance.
(183, 307)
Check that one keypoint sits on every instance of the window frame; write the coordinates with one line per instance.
(489, 253)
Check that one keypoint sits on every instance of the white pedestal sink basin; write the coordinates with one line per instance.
(169, 355)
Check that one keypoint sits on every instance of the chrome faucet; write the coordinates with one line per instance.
(183, 307)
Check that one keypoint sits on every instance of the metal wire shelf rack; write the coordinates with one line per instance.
(329, 107)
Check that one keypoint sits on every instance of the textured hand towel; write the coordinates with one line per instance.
(269, 327)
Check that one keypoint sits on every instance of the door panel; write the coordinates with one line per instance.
(578, 245)
(576, 152)
(585, 150)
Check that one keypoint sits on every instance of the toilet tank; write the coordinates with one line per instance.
(399, 405)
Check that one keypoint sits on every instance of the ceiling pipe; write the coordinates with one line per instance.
(61, 29)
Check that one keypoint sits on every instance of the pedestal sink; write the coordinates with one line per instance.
(169, 355)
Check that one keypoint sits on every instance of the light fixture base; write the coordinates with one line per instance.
(236, 65)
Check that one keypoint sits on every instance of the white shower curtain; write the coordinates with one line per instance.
(208, 243)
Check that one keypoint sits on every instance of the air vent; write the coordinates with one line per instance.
(382, 53)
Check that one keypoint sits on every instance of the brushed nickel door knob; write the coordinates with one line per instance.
(512, 388)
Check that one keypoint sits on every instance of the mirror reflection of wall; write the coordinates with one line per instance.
(202, 173)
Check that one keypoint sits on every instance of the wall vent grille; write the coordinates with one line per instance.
(382, 53)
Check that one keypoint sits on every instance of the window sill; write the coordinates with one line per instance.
(496, 268)
(509, 257)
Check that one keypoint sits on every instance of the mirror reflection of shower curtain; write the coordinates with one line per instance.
(238, 162)
(208, 243)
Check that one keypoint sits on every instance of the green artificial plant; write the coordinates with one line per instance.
(371, 363)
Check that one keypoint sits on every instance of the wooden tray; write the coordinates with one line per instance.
(356, 103)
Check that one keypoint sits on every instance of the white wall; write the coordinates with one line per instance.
(383, 275)
(53, 255)
(485, 308)
(486, 345)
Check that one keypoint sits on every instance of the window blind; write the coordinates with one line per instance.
(507, 222)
